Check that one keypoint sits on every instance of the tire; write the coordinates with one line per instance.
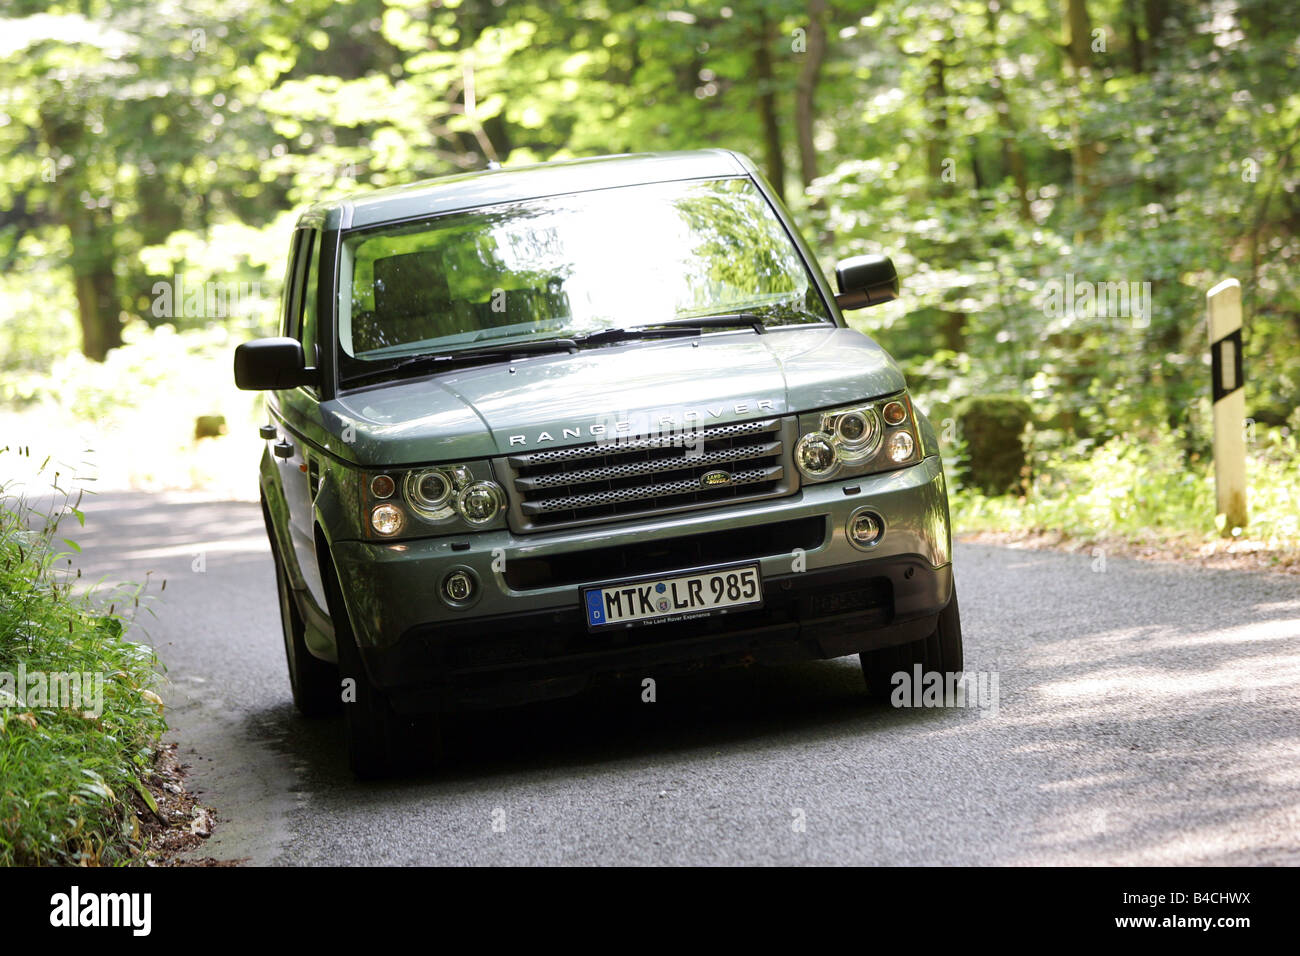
(380, 740)
(941, 651)
(315, 682)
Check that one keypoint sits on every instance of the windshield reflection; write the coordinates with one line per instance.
(569, 265)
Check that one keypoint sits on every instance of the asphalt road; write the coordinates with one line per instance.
(1146, 714)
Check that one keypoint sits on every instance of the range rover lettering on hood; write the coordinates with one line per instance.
(644, 424)
(539, 403)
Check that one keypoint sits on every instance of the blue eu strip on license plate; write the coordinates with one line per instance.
(673, 597)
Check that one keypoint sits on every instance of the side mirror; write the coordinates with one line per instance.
(866, 280)
(272, 363)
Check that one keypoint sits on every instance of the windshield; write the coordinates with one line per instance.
(567, 266)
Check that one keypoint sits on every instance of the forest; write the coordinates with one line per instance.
(1059, 182)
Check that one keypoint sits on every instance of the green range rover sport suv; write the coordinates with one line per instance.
(531, 428)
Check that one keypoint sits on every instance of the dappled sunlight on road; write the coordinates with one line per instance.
(167, 533)
(1248, 662)
(1170, 740)
(1146, 715)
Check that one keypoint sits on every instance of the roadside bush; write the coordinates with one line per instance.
(993, 431)
(38, 319)
(68, 758)
(1143, 489)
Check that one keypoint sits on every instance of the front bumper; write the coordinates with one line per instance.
(524, 636)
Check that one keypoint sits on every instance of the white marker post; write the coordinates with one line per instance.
(1229, 403)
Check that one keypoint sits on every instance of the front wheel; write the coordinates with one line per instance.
(941, 652)
(380, 740)
(315, 682)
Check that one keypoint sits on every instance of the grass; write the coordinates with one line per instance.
(68, 763)
(1141, 491)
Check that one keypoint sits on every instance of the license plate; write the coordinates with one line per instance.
(665, 599)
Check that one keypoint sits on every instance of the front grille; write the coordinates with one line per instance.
(605, 481)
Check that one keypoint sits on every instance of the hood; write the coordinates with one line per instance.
(550, 401)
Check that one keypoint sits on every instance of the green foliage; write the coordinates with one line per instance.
(65, 772)
(959, 138)
(37, 321)
(1143, 492)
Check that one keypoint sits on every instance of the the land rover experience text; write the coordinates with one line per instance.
(530, 428)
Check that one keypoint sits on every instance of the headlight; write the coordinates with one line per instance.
(856, 433)
(816, 457)
(441, 499)
(857, 439)
(429, 493)
(481, 502)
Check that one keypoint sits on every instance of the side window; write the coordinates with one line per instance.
(291, 299)
(286, 291)
(309, 334)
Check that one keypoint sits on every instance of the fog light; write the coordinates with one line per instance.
(381, 486)
(895, 413)
(386, 519)
(865, 529)
(815, 455)
(458, 587)
(901, 446)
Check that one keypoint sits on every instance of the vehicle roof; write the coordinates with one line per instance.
(431, 197)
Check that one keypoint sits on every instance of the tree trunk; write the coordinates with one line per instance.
(160, 215)
(94, 249)
(940, 165)
(805, 90)
(92, 261)
(1085, 153)
(1135, 42)
(767, 106)
(1154, 12)
(1013, 160)
(954, 331)
(936, 108)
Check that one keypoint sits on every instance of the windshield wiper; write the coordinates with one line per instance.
(604, 336)
(673, 328)
(668, 329)
(430, 363)
(725, 320)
